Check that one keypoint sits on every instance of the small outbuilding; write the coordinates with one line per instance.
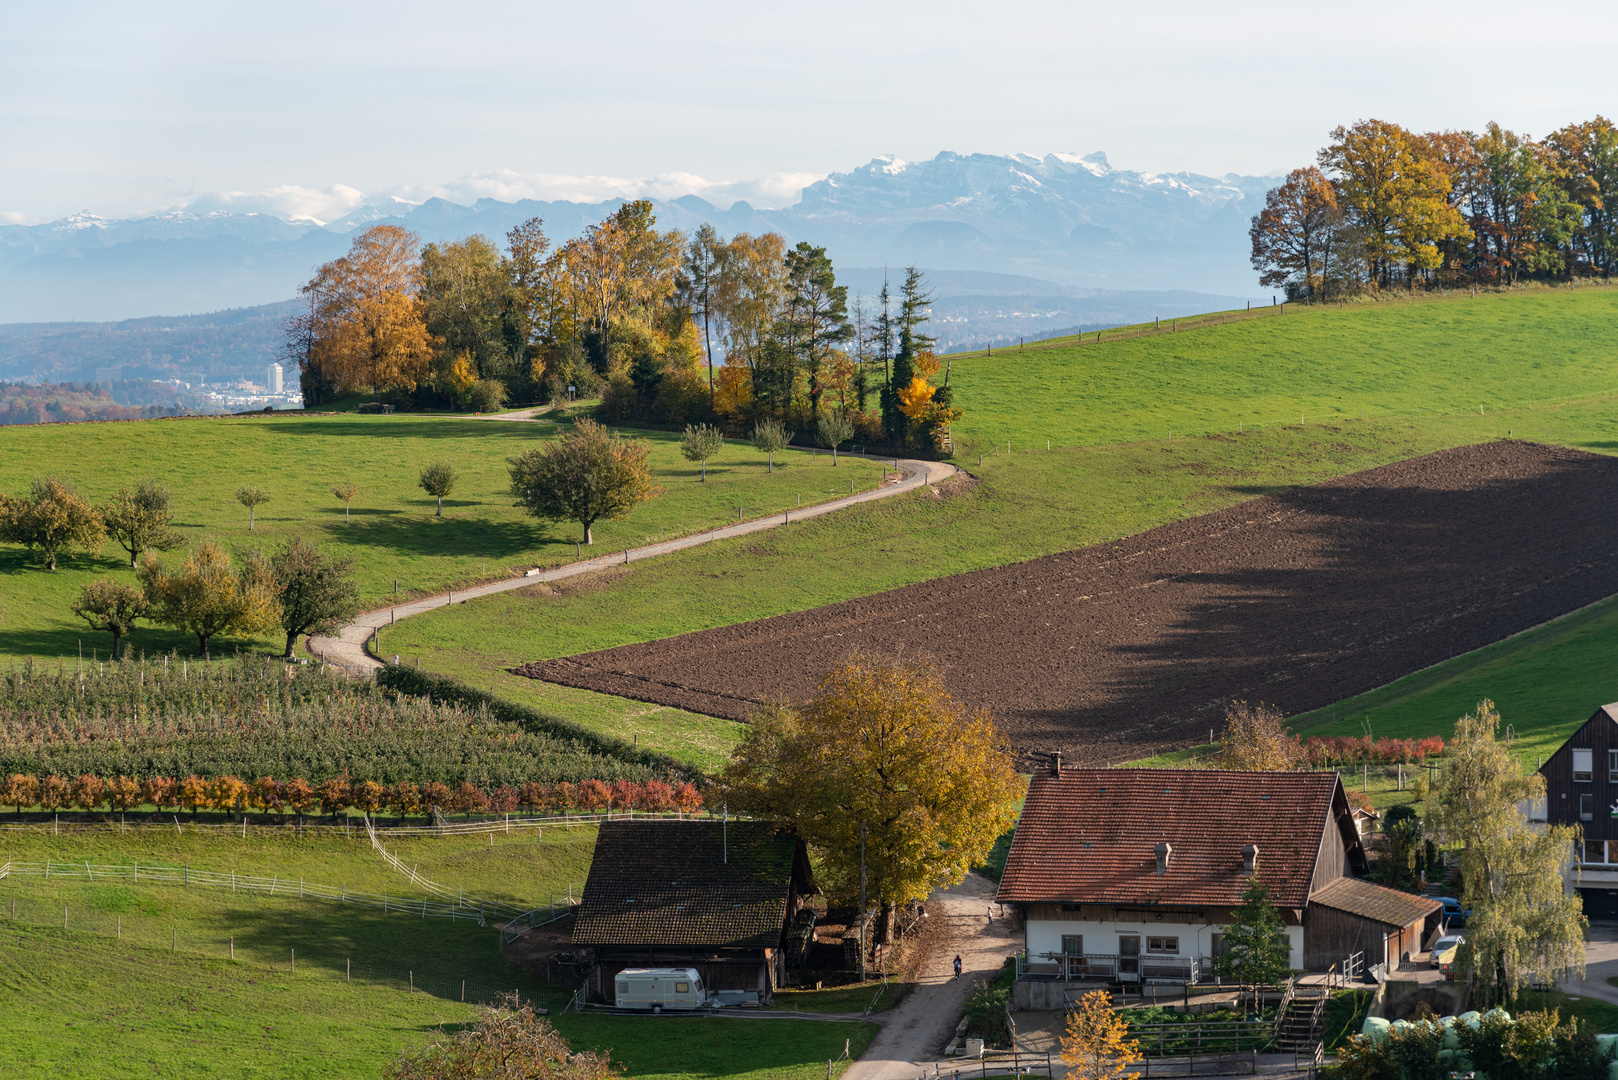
(1352, 916)
(720, 897)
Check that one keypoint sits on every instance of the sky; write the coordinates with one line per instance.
(308, 109)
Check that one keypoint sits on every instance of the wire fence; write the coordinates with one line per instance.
(349, 828)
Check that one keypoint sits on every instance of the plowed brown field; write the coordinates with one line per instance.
(1115, 651)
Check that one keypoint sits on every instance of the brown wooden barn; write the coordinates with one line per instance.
(719, 897)
(1350, 916)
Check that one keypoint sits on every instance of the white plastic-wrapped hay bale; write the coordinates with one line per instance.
(1470, 1019)
(1452, 1041)
(1497, 1013)
(1376, 1029)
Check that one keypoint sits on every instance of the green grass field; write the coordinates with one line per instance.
(166, 998)
(393, 532)
(1444, 355)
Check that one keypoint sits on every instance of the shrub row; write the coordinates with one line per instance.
(1353, 750)
(232, 794)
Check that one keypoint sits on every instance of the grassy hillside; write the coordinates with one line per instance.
(393, 532)
(136, 1008)
(1430, 356)
(1545, 682)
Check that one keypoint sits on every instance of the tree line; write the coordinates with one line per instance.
(1385, 208)
(665, 328)
(231, 794)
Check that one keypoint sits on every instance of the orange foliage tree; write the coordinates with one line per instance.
(1096, 1045)
(368, 319)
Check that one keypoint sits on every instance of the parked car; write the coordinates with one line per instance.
(1454, 913)
(1444, 949)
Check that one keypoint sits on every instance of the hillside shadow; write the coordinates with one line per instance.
(411, 535)
(1336, 589)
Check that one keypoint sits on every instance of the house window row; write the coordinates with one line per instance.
(1584, 766)
(1073, 944)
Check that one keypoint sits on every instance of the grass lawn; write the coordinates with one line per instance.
(85, 999)
(1601, 1015)
(1431, 356)
(839, 999)
(393, 532)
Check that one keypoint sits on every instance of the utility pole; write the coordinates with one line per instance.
(725, 828)
(863, 908)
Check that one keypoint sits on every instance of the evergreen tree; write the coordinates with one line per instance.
(1258, 951)
(816, 318)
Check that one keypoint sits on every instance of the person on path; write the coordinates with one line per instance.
(957, 965)
(988, 913)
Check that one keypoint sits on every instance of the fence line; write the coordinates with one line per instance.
(463, 828)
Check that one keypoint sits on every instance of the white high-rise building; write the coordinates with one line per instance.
(272, 379)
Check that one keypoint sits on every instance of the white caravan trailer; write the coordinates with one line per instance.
(659, 988)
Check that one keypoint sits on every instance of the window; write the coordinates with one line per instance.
(1587, 809)
(682, 988)
(623, 988)
(1072, 944)
(1220, 948)
(1595, 851)
(1612, 766)
(1163, 944)
(1583, 766)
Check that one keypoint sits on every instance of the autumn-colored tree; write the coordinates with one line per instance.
(88, 791)
(346, 491)
(438, 480)
(509, 1041)
(111, 606)
(404, 798)
(915, 398)
(749, 294)
(266, 793)
(1396, 193)
(208, 596)
(704, 268)
(55, 793)
(20, 790)
(193, 794)
(881, 743)
(593, 795)
(252, 498)
(1523, 925)
(1587, 156)
(301, 798)
(369, 323)
(226, 793)
(586, 476)
(1293, 235)
(770, 437)
(52, 516)
(139, 521)
(1256, 739)
(370, 796)
(160, 791)
(701, 442)
(466, 296)
(314, 593)
(123, 793)
(335, 795)
(1096, 1043)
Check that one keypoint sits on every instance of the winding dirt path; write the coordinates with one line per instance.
(347, 648)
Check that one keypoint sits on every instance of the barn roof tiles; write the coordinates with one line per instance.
(669, 883)
(1371, 901)
(1091, 835)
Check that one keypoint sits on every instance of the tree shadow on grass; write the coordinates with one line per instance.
(452, 537)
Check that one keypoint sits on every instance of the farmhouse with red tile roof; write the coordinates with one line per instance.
(1130, 875)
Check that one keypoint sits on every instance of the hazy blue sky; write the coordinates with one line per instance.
(125, 108)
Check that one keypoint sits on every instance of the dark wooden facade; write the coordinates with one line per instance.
(1589, 800)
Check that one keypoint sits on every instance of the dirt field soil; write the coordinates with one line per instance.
(1129, 648)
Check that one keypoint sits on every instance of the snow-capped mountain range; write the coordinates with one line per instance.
(1076, 222)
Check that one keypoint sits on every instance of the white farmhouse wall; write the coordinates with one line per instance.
(1044, 935)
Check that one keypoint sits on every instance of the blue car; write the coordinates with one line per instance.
(1454, 913)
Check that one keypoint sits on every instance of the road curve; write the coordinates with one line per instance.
(347, 648)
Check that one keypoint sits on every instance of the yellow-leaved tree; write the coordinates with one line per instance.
(367, 317)
(881, 744)
(1256, 739)
(1096, 1045)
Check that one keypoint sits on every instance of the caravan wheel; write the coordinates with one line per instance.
(657, 1008)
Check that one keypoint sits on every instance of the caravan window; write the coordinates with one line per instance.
(682, 988)
(697, 986)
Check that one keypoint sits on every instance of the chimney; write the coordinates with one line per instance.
(1250, 858)
(1056, 765)
(1163, 851)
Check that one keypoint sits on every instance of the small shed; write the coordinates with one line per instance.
(1351, 915)
(716, 896)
